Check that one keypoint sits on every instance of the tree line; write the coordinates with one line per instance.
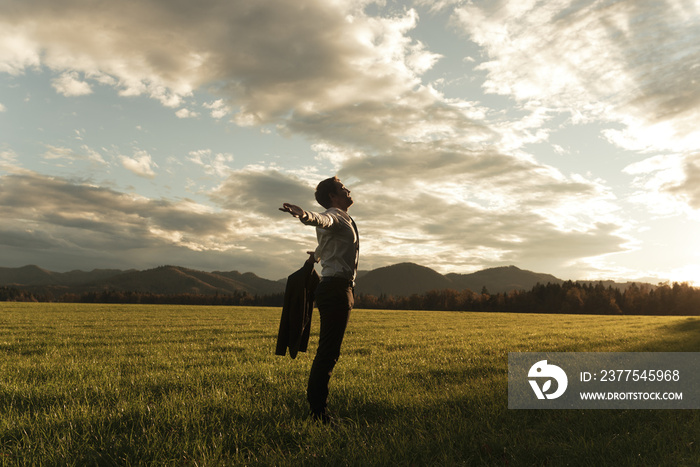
(238, 298)
(568, 297)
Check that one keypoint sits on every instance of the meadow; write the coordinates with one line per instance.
(178, 385)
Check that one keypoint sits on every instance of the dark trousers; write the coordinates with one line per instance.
(334, 299)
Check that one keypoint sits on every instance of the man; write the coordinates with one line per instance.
(338, 250)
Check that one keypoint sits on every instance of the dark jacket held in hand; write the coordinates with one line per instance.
(296, 312)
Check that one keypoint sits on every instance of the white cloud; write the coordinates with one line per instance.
(17, 50)
(666, 185)
(141, 164)
(186, 113)
(68, 84)
(85, 152)
(625, 61)
(282, 61)
(213, 164)
(218, 108)
(8, 156)
(92, 155)
(2, 108)
(53, 152)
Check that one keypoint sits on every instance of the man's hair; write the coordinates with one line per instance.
(324, 190)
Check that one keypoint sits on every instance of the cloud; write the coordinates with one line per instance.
(2, 108)
(416, 115)
(282, 60)
(28, 238)
(667, 185)
(689, 188)
(36, 198)
(461, 210)
(625, 61)
(7, 158)
(460, 232)
(260, 191)
(82, 216)
(17, 50)
(85, 153)
(434, 176)
(213, 164)
(53, 152)
(186, 113)
(63, 224)
(141, 164)
(69, 85)
(354, 81)
(218, 108)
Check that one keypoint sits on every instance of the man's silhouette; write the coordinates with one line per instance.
(338, 251)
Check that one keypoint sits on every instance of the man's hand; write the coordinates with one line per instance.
(295, 211)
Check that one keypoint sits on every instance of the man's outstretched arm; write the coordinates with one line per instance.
(292, 209)
(296, 211)
(323, 220)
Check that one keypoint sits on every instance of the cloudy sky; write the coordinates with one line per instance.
(560, 136)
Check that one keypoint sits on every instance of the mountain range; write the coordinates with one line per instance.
(402, 279)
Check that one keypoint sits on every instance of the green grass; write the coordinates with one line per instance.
(175, 385)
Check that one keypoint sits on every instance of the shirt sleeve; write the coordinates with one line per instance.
(325, 220)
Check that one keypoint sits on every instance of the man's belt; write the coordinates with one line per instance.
(339, 280)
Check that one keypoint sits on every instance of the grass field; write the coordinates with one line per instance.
(169, 385)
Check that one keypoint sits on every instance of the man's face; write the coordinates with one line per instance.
(342, 196)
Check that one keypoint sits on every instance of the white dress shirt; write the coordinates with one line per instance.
(338, 242)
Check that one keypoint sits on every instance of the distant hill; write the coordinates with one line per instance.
(170, 280)
(35, 276)
(398, 280)
(408, 278)
(501, 279)
(166, 280)
(401, 280)
(259, 285)
(27, 275)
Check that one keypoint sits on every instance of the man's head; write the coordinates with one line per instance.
(331, 193)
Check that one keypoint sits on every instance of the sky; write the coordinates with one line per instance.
(559, 136)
